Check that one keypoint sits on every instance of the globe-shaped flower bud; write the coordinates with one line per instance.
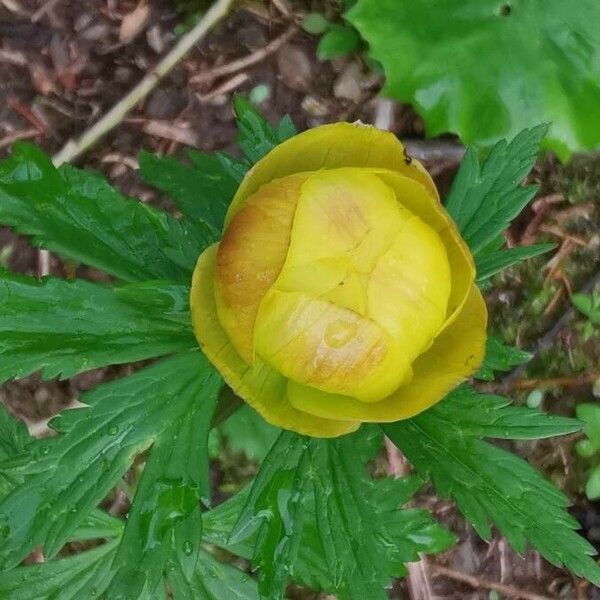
(341, 291)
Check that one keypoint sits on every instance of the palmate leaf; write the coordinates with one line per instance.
(164, 520)
(484, 198)
(211, 580)
(201, 190)
(64, 478)
(486, 69)
(488, 264)
(78, 215)
(65, 327)
(500, 357)
(324, 523)
(83, 575)
(490, 485)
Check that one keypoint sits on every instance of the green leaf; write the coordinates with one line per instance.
(494, 262)
(588, 306)
(82, 575)
(485, 198)
(246, 431)
(256, 136)
(486, 415)
(165, 518)
(590, 415)
(490, 485)
(65, 327)
(486, 69)
(98, 524)
(323, 521)
(315, 23)
(340, 40)
(78, 215)
(202, 190)
(66, 476)
(211, 580)
(592, 486)
(499, 357)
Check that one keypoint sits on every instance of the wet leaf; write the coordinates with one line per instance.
(79, 216)
(62, 328)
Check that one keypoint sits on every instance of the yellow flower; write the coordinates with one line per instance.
(341, 291)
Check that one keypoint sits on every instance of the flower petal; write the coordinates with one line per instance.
(250, 257)
(454, 355)
(259, 385)
(330, 147)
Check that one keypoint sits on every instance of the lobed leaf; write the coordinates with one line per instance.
(315, 516)
(62, 328)
(492, 486)
(64, 478)
(78, 215)
(484, 198)
(485, 69)
(499, 357)
(488, 264)
(164, 520)
(256, 136)
(201, 190)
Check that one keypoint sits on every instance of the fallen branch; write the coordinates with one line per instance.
(247, 61)
(117, 113)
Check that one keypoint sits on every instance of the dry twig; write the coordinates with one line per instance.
(117, 113)
(247, 61)
(509, 591)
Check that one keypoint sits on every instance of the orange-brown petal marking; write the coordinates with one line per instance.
(259, 385)
(454, 355)
(250, 257)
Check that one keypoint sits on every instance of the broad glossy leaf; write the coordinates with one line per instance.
(492, 486)
(78, 215)
(486, 69)
(64, 477)
(62, 328)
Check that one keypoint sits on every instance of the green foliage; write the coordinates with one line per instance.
(113, 325)
(589, 448)
(339, 40)
(322, 520)
(65, 477)
(491, 485)
(499, 357)
(589, 306)
(256, 136)
(78, 215)
(486, 69)
(202, 190)
(313, 514)
(246, 431)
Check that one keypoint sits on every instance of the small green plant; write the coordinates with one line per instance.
(589, 306)
(313, 514)
(589, 448)
(337, 39)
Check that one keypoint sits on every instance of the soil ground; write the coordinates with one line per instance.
(61, 69)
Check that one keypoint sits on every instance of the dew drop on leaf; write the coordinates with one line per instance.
(114, 430)
(188, 547)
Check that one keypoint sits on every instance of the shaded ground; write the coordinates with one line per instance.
(59, 73)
